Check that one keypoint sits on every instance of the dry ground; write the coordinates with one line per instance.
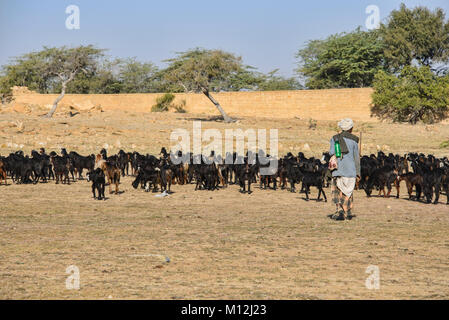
(222, 244)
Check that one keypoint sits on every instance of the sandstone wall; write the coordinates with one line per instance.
(330, 104)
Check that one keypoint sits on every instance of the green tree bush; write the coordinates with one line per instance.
(416, 35)
(444, 144)
(5, 90)
(163, 103)
(137, 77)
(346, 60)
(416, 94)
(274, 82)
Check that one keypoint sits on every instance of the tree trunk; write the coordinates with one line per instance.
(55, 104)
(226, 118)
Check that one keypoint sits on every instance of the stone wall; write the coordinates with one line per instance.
(332, 104)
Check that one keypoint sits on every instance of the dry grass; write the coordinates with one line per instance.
(222, 244)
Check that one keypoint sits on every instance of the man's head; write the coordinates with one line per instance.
(346, 124)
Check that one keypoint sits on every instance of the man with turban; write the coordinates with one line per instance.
(346, 169)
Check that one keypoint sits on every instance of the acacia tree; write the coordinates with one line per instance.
(62, 64)
(51, 69)
(25, 71)
(206, 71)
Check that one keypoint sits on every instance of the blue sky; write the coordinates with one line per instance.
(266, 33)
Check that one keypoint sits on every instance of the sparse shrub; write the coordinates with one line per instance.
(312, 124)
(444, 144)
(163, 103)
(180, 108)
(5, 91)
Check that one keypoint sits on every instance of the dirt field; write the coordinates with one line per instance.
(221, 244)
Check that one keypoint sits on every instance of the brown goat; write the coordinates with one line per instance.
(111, 171)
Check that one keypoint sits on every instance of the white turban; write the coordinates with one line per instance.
(346, 124)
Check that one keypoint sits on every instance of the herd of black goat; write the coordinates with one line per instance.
(426, 175)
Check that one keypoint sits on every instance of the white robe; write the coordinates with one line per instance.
(346, 185)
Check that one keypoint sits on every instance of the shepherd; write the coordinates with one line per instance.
(345, 166)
